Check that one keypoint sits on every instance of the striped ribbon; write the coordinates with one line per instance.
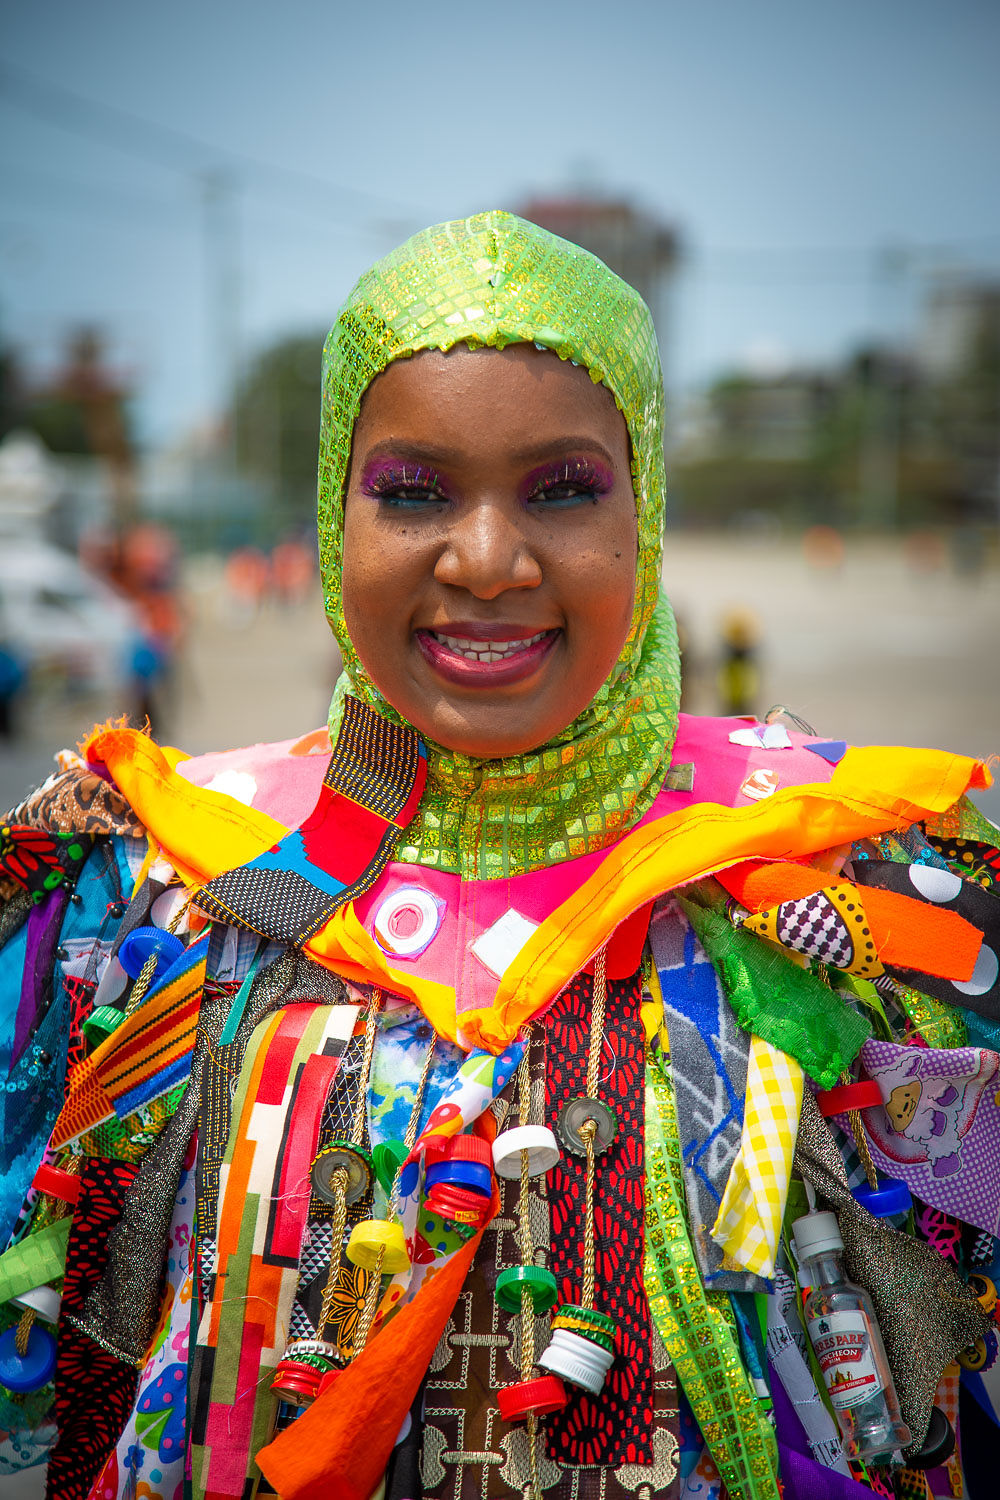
(148, 1054)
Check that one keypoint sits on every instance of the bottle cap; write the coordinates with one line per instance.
(815, 1233)
(577, 1360)
(43, 1300)
(536, 1280)
(540, 1144)
(373, 1235)
(537, 1398)
(892, 1196)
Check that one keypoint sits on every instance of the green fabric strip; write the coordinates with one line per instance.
(693, 1327)
(35, 1260)
(776, 1000)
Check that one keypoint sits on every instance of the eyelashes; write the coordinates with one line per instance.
(565, 482)
(571, 479)
(402, 481)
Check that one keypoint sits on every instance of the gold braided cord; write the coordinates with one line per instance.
(588, 1130)
(490, 281)
(339, 1178)
(372, 1290)
(361, 1103)
(703, 1350)
(24, 1327)
(142, 984)
(338, 1224)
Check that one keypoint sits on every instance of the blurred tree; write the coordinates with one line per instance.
(278, 423)
(12, 395)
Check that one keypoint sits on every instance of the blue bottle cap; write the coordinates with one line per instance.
(473, 1175)
(892, 1196)
(140, 945)
(32, 1369)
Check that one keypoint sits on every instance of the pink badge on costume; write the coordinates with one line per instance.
(760, 784)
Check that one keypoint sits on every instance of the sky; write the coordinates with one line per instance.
(824, 166)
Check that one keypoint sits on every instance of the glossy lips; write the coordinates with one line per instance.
(486, 655)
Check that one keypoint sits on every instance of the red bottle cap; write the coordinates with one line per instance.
(57, 1183)
(864, 1094)
(532, 1397)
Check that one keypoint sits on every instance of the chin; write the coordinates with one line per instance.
(485, 744)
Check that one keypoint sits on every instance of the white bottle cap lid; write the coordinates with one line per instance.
(43, 1300)
(815, 1233)
(537, 1140)
(577, 1359)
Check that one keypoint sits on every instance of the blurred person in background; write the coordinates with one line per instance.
(424, 1107)
(12, 682)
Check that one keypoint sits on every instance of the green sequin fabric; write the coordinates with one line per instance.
(487, 282)
(692, 1322)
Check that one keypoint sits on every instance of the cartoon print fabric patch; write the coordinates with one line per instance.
(938, 1127)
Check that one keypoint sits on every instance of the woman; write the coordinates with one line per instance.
(433, 1085)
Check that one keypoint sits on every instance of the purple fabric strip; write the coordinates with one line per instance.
(43, 928)
(802, 1477)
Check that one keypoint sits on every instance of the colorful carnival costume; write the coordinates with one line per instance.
(396, 1123)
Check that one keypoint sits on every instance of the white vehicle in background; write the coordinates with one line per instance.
(72, 636)
(68, 629)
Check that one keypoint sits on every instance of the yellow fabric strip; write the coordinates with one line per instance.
(748, 1226)
(872, 790)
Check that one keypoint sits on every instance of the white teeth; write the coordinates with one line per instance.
(487, 651)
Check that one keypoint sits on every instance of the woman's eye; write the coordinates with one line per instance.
(567, 492)
(409, 495)
(404, 489)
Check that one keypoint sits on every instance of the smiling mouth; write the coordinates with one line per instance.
(487, 651)
(476, 661)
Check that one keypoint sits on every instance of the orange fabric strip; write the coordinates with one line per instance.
(909, 933)
(338, 1449)
(871, 791)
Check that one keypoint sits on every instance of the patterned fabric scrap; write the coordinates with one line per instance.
(148, 1054)
(939, 1126)
(42, 861)
(748, 1227)
(370, 792)
(774, 998)
(264, 1195)
(709, 1054)
(467, 1452)
(78, 800)
(94, 1390)
(690, 1321)
(613, 1427)
(152, 1447)
(942, 892)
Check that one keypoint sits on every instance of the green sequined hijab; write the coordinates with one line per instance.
(490, 281)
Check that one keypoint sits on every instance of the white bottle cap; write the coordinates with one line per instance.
(540, 1144)
(577, 1360)
(43, 1300)
(816, 1233)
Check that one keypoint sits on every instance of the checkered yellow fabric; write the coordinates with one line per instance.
(487, 282)
(748, 1225)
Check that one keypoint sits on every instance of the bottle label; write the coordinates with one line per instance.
(844, 1351)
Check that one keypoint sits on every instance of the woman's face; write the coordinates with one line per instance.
(489, 544)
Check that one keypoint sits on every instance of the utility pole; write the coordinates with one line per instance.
(223, 300)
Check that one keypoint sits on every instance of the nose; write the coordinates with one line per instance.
(487, 552)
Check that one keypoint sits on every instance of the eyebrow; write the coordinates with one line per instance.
(444, 456)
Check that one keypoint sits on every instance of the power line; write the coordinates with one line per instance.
(175, 149)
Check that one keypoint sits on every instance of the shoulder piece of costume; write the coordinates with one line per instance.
(481, 957)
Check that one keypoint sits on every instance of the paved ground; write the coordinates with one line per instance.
(878, 650)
